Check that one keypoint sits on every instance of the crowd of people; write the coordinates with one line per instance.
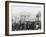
(27, 23)
(26, 26)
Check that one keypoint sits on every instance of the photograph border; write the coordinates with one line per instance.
(7, 17)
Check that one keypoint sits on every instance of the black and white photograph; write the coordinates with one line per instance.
(26, 18)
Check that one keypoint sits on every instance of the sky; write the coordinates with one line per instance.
(25, 10)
